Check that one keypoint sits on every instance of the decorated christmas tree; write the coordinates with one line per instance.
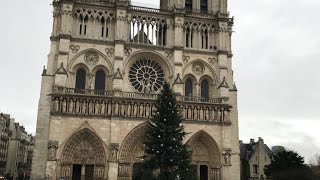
(166, 155)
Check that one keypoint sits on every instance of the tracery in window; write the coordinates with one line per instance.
(100, 80)
(83, 25)
(204, 88)
(188, 5)
(146, 76)
(80, 79)
(104, 27)
(204, 6)
(188, 87)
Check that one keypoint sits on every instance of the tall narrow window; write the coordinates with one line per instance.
(104, 28)
(188, 87)
(204, 88)
(188, 5)
(100, 81)
(83, 25)
(204, 6)
(80, 79)
(187, 37)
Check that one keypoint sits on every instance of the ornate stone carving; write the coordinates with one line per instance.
(83, 148)
(114, 148)
(74, 48)
(127, 51)
(198, 68)
(212, 60)
(185, 59)
(91, 58)
(168, 55)
(52, 150)
(146, 76)
(109, 51)
(226, 157)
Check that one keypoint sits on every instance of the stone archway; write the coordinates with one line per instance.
(83, 153)
(206, 156)
(131, 151)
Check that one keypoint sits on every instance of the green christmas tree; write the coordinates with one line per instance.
(165, 153)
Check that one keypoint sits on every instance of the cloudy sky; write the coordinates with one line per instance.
(276, 67)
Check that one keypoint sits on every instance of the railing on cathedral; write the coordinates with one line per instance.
(85, 102)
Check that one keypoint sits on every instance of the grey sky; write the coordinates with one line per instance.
(276, 60)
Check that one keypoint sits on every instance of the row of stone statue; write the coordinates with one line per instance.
(134, 109)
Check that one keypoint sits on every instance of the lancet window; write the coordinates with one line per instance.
(100, 80)
(104, 26)
(204, 6)
(199, 35)
(147, 30)
(188, 5)
(80, 79)
(188, 87)
(83, 25)
(204, 88)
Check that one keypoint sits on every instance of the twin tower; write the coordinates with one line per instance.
(108, 61)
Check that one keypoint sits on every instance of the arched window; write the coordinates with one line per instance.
(188, 87)
(204, 88)
(100, 81)
(204, 6)
(188, 5)
(81, 79)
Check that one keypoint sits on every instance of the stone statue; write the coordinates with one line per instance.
(84, 107)
(109, 107)
(103, 108)
(219, 115)
(226, 115)
(147, 110)
(116, 108)
(129, 110)
(90, 107)
(189, 113)
(56, 105)
(90, 81)
(135, 109)
(153, 109)
(114, 151)
(77, 106)
(207, 114)
(141, 110)
(195, 113)
(97, 108)
(71, 106)
(123, 109)
(64, 105)
(201, 114)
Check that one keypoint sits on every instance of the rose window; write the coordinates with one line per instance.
(146, 76)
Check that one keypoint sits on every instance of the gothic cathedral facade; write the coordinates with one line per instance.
(108, 60)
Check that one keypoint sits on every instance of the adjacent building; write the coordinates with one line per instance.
(107, 63)
(254, 157)
(5, 134)
(16, 149)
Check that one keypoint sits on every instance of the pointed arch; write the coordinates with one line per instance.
(84, 148)
(131, 147)
(84, 144)
(205, 149)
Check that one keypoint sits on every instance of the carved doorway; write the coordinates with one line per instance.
(205, 156)
(131, 153)
(84, 156)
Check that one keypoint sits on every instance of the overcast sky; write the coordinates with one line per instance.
(276, 63)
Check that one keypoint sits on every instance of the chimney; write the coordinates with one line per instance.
(251, 141)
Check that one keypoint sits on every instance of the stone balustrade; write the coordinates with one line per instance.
(69, 101)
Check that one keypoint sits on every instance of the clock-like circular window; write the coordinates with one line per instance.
(146, 76)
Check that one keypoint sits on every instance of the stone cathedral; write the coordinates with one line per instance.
(107, 63)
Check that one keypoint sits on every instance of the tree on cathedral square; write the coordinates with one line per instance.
(166, 155)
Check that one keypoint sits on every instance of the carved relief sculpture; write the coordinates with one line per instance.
(52, 150)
